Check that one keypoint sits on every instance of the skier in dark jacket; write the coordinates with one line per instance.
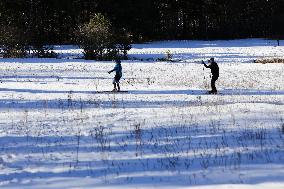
(118, 75)
(215, 74)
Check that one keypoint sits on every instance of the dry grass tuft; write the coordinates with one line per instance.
(269, 60)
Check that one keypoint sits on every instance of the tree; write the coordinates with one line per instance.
(123, 41)
(95, 38)
(48, 22)
(12, 42)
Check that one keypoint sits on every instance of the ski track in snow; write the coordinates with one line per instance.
(166, 132)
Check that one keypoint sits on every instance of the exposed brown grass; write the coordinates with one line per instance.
(269, 60)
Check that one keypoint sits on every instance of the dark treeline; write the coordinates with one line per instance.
(55, 21)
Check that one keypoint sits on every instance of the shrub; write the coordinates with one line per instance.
(123, 42)
(269, 60)
(13, 44)
(95, 37)
(99, 42)
(42, 51)
(169, 55)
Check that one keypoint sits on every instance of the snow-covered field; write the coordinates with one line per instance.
(56, 131)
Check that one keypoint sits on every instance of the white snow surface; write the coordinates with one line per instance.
(58, 131)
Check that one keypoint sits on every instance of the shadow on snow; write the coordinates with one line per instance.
(93, 102)
(245, 92)
(178, 155)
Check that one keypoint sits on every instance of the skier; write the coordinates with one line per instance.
(215, 74)
(118, 75)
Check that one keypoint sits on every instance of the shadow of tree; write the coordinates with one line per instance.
(180, 155)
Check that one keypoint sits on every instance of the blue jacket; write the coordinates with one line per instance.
(117, 69)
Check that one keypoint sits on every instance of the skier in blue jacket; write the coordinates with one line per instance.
(118, 75)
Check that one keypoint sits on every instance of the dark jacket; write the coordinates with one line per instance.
(214, 68)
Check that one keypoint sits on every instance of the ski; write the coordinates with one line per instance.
(210, 93)
(111, 92)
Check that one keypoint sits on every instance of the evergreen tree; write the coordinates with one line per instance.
(47, 22)
(95, 38)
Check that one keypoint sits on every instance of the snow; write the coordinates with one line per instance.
(57, 132)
